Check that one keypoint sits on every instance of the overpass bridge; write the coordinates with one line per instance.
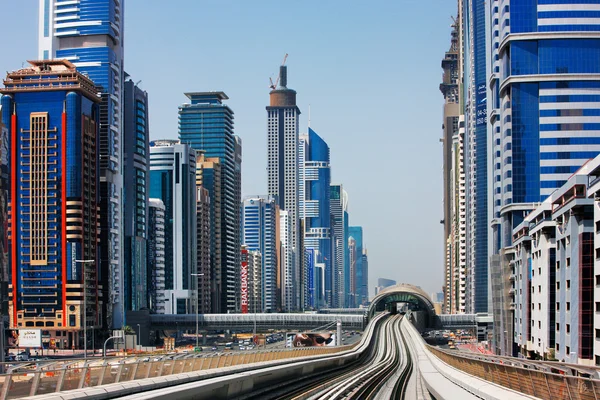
(238, 322)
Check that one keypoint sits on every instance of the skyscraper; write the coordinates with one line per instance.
(476, 154)
(259, 224)
(352, 255)
(208, 176)
(356, 233)
(203, 240)
(286, 261)
(457, 291)
(282, 154)
(544, 118)
(136, 151)
(156, 256)
(314, 203)
(364, 287)
(334, 272)
(53, 200)
(173, 180)
(89, 33)
(206, 124)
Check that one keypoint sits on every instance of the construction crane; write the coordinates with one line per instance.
(274, 85)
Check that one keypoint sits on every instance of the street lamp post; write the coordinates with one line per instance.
(85, 305)
(197, 302)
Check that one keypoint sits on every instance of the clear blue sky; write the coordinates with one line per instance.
(369, 69)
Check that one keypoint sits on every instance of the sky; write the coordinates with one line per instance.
(369, 70)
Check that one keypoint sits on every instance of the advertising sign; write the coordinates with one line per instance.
(244, 279)
(31, 338)
(311, 339)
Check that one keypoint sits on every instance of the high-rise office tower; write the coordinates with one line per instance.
(334, 272)
(286, 261)
(319, 285)
(309, 265)
(206, 124)
(455, 272)
(282, 155)
(173, 180)
(53, 200)
(352, 255)
(136, 151)
(476, 155)
(543, 108)
(203, 240)
(4, 188)
(208, 176)
(314, 202)
(356, 233)
(259, 225)
(364, 287)
(155, 254)
(89, 33)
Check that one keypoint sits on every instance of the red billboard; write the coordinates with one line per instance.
(244, 281)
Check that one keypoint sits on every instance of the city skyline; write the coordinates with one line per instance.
(314, 68)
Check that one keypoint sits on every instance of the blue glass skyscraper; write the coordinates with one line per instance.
(53, 200)
(476, 155)
(259, 224)
(89, 33)
(544, 114)
(207, 124)
(314, 202)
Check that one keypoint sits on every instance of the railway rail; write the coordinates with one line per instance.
(362, 379)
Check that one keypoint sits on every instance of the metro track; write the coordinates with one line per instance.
(362, 379)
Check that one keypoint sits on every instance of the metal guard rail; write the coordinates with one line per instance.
(36, 382)
(541, 384)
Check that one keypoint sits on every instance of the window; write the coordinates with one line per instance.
(597, 334)
(568, 261)
(568, 328)
(568, 349)
(557, 328)
(598, 306)
(558, 306)
(568, 306)
(568, 284)
(557, 285)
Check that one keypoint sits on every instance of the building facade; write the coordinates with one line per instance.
(136, 150)
(4, 188)
(335, 270)
(203, 240)
(356, 233)
(89, 33)
(156, 256)
(314, 202)
(286, 261)
(53, 201)
(206, 124)
(543, 113)
(208, 176)
(259, 225)
(283, 116)
(173, 180)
